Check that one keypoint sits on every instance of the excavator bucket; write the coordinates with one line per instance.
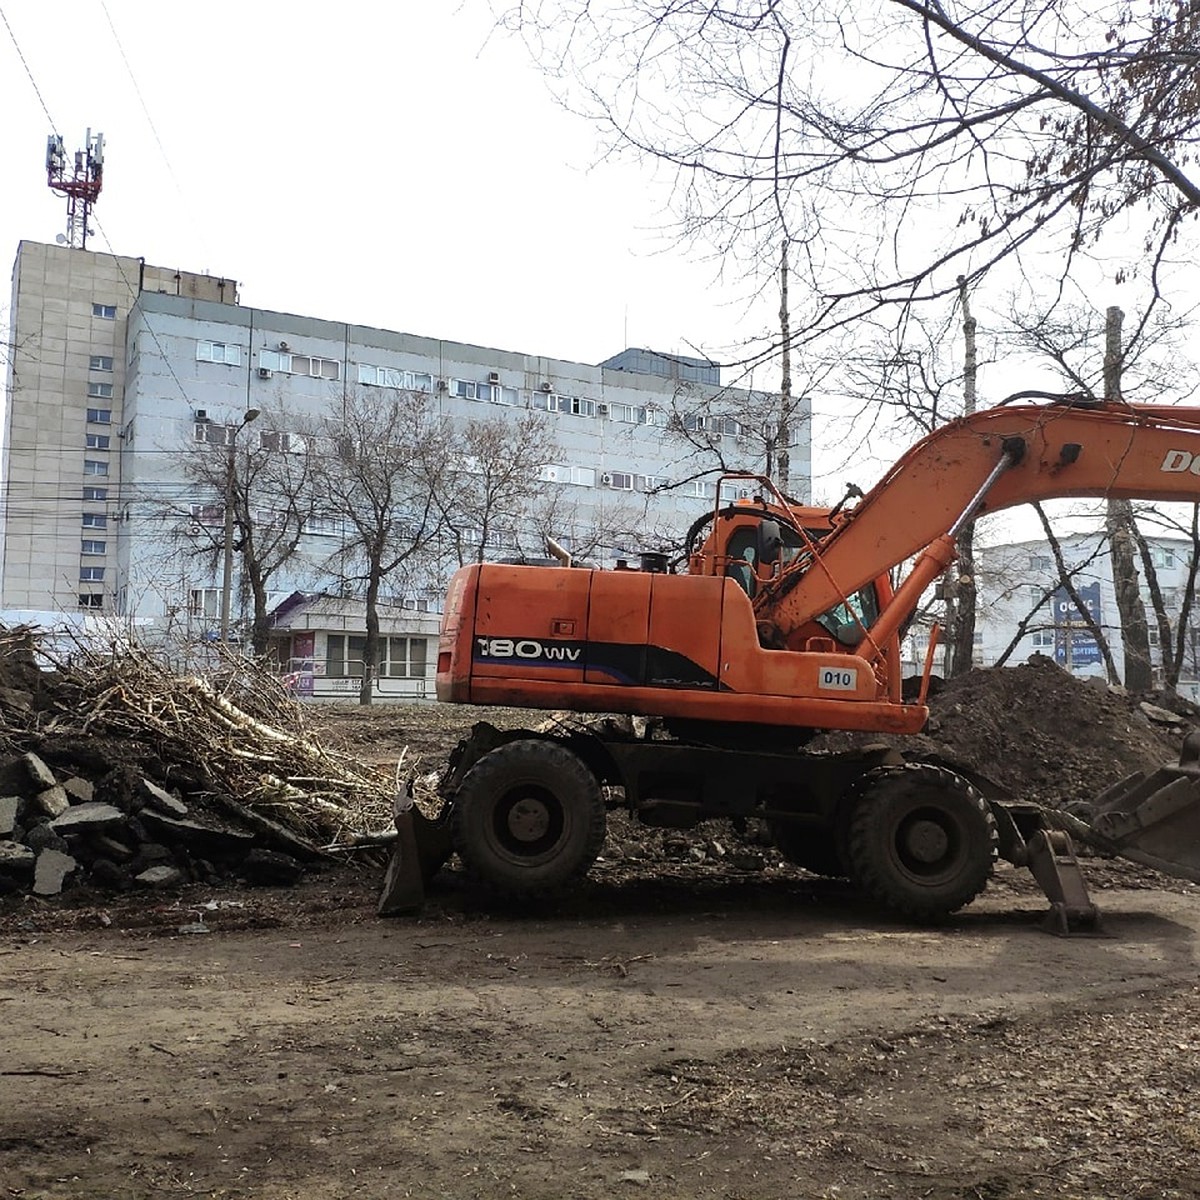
(1152, 817)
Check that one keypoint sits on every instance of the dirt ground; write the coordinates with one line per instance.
(680, 1027)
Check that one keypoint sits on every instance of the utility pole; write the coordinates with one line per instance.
(230, 481)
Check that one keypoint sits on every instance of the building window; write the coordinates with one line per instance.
(274, 439)
(213, 434)
(394, 377)
(735, 490)
(632, 414)
(701, 488)
(405, 658)
(324, 526)
(92, 467)
(560, 473)
(107, 311)
(648, 483)
(100, 362)
(207, 514)
(1043, 639)
(1036, 594)
(1163, 557)
(219, 352)
(205, 602)
(619, 481)
(1040, 562)
(95, 521)
(468, 389)
(100, 391)
(99, 416)
(95, 493)
(508, 396)
(91, 547)
(576, 406)
(91, 599)
(344, 656)
(300, 364)
(98, 441)
(91, 574)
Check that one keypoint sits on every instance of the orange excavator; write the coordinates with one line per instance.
(778, 622)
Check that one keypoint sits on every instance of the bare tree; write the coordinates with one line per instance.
(384, 456)
(258, 480)
(493, 482)
(1044, 126)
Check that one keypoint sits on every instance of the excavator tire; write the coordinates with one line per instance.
(921, 840)
(815, 850)
(528, 818)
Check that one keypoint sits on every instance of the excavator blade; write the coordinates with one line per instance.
(1152, 817)
(420, 850)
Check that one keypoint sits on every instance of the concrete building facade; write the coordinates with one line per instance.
(119, 368)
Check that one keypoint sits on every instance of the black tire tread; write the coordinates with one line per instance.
(486, 777)
(867, 855)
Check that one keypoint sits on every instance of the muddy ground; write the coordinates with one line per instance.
(680, 1027)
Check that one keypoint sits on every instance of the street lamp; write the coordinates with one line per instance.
(230, 464)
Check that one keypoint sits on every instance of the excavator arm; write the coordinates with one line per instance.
(985, 462)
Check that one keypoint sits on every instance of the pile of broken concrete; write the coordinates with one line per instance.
(55, 834)
(117, 774)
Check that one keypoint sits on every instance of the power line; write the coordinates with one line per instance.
(33, 82)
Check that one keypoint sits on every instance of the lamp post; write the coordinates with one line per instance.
(227, 577)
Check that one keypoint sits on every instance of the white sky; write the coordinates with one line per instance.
(389, 164)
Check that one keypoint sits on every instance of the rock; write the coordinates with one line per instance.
(162, 800)
(81, 791)
(54, 801)
(80, 818)
(266, 868)
(15, 699)
(39, 773)
(748, 860)
(8, 814)
(111, 848)
(1161, 715)
(51, 871)
(42, 837)
(16, 859)
(159, 877)
(193, 833)
(107, 874)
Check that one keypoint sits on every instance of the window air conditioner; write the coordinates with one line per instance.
(442, 385)
(602, 410)
(493, 377)
(606, 478)
(193, 531)
(284, 346)
(201, 414)
(547, 387)
(264, 372)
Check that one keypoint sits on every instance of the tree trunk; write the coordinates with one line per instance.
(962, 592)
(1135, 635)
(783, 464)
(366, 691)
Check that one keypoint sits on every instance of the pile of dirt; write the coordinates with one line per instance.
(1041, 734)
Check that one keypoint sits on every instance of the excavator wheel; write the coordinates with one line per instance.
(815, 850)
(528, 818)
(922, 840)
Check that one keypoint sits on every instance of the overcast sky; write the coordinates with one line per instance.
(395, 165)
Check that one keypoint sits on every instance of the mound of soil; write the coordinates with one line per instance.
(1042, 734)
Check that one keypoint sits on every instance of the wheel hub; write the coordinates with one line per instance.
(926, 842)
(528, 820)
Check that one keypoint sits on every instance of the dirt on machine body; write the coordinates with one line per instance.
(755, 677)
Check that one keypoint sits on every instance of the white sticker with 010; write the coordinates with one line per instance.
(838, 679)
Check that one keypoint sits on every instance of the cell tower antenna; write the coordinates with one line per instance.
(80, 184)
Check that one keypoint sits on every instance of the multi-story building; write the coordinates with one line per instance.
(1024, 609)
(118, 367)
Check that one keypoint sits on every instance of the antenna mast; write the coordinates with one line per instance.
(81, 186)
